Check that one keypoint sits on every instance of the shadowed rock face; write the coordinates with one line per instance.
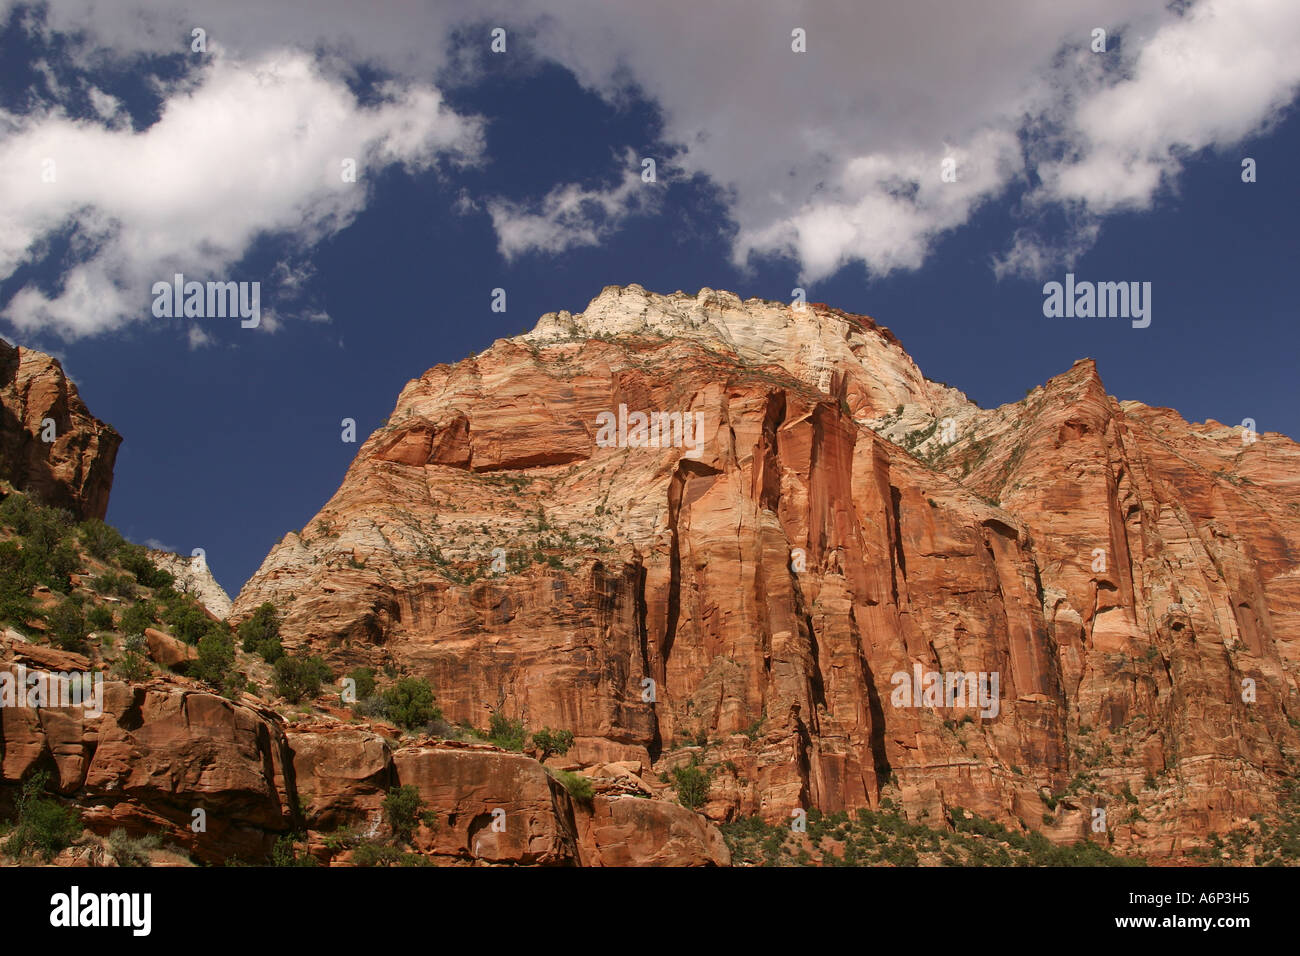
(75, 470)
(224, 780)
(1129, 578)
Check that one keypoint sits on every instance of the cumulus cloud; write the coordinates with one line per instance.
(830, 156)
(242, 149)
(836, 154)
(570, 215)
(887, 210)
(1211, 77)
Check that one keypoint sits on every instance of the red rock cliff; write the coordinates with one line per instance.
(1130, 579)
(74, 469)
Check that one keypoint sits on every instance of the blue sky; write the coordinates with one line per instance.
(232, 436)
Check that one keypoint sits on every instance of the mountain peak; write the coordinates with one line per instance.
(811, 341)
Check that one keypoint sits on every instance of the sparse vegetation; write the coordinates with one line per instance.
(297, 678)
(42, 827)
(134, 663)
(548, 742)
(260, 633)
(506, 733)
(884, 837)
(131, 851)
(579, 787)
(692, 783)
(402, 808)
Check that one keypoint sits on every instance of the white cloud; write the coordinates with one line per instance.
(108, 107)
(243, 149)
(886, 210)
(1208, 79)
(198, 338)
(571, 215)
(832, 156)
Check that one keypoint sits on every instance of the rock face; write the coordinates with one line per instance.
(194, 577)
(145, 757)
(157, 758)
(74, 468)
(1113, 591)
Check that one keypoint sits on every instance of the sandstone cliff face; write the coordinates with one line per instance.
(73, 470)
(844, 522)
(150, 755)
(225, 780)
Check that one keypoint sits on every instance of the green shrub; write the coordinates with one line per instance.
(270, 650)
(19, 571)
(299, 677)
(506, 733)
(402, 808)
(45, 555)
(134, 663)
(40, 526)
(42, 826)
(260, 634)
(68, 625)
(692, 783)
(409, 703)
(60, 563)
(135, 559)
(364, 680)
(376, 854)
(100, 618)
(110, 582)
(579, 787)
(187, 620)
(15, 513)
(17, 578)
(129, 851)
(216, 661)
(285, 853)
(100, 539)
(136, 618)
(548, 742)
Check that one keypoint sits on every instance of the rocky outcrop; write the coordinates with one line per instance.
(631, 831)
(193, 576)
(222, 781)
(204, 773)
(50, 444)
(754, 594)
(486, 806)
(166, 650)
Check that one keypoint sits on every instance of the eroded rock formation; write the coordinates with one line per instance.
(839, 520)
(73, 469)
